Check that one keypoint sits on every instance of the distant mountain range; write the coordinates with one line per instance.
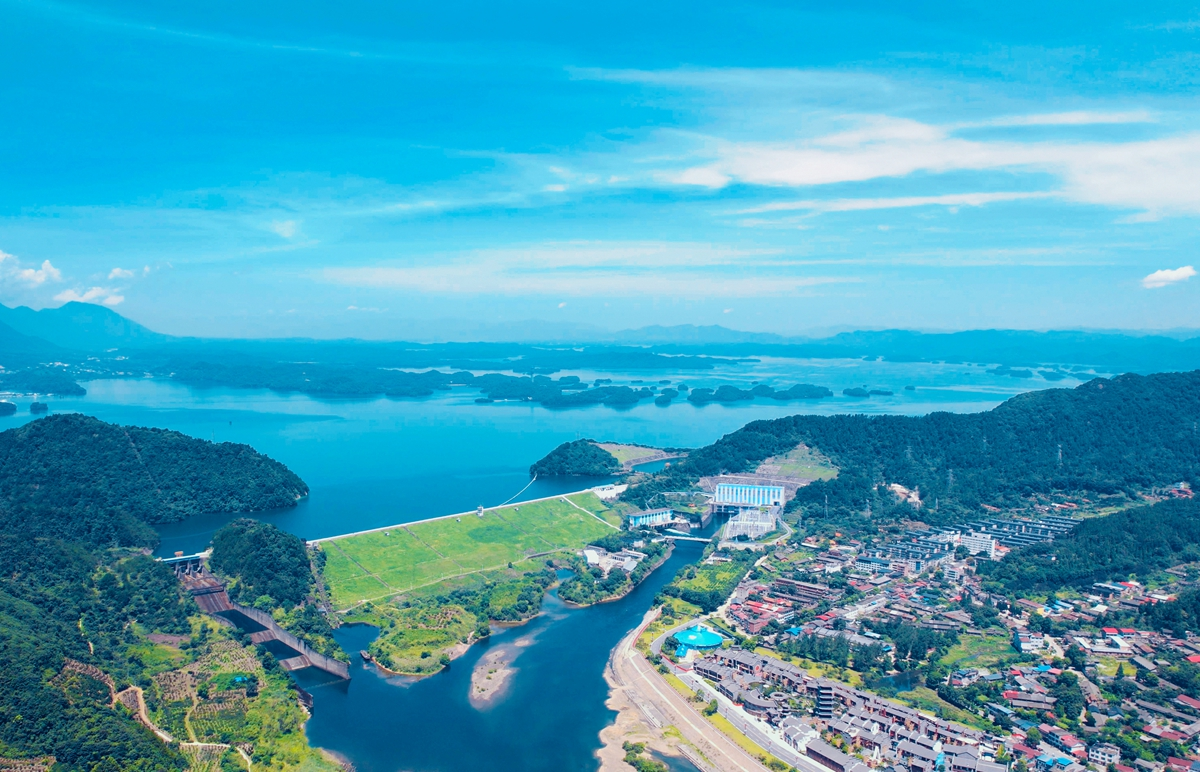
(28, 336)
(73, 326)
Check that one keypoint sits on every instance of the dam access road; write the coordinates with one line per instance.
(645, 686)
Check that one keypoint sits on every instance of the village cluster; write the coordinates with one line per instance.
(925, 578)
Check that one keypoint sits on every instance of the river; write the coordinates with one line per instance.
(376, 462)
(548, 719)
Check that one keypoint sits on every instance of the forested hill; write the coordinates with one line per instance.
(76, 477)
(1122, 434)
(579, 458)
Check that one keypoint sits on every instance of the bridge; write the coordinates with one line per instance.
(210, 595)
(671, 533)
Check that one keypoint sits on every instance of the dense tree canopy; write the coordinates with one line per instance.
(1178, 616)
(70, 488)
(73, 476)
(42, 380)
(264, 560)
(582, 458)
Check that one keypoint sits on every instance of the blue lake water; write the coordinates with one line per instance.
(377, 462)
(372, 463)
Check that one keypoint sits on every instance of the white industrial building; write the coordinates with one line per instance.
(748, 495)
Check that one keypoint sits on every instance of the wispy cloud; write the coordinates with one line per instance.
(898, 202)
(1168, 276)
(285, 228)
(121, 273)
(1073, 118)
(591, 269)
(1155, 176)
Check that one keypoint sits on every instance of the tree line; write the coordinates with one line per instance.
(1130, 543)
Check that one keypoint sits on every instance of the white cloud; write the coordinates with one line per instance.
(285, 228)
(1156, 177)
(704, 177)
(101, 295)
(39, 276)
(590, 269)
(120, 273)
(899, 202)
(31, 277)
(1168, 276)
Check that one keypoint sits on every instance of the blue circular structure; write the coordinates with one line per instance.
(698, 637)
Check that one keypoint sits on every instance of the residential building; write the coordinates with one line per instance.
(1104, 754)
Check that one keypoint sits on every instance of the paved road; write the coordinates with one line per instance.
(645, 684)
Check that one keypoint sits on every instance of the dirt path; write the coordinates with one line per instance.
(139, 710)
(591, 513)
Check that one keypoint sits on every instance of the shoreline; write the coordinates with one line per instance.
(458, 649)
(630, 724)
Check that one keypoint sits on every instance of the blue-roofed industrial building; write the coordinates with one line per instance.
(749, 495)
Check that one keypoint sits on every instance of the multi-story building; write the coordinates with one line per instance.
(1104, 754)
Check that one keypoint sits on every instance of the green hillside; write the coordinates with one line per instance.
(1107, 436)
(82, 618)
(72, 476)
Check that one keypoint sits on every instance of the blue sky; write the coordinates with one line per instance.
(389, 170)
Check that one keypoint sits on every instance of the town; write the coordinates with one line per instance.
(896, 652)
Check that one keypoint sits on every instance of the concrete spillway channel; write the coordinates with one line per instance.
(210, 596)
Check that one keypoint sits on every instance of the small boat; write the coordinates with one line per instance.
(366, 655)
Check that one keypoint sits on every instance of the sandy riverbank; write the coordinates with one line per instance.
(631, 724)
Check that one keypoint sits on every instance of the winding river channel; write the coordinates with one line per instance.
(373, 463)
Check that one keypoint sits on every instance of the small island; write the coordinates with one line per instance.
(734, 394)
(43, 380)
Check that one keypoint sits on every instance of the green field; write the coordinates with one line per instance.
(383, 563)
(801, 463)
(714, 576)
(979, 651)
(628, 453)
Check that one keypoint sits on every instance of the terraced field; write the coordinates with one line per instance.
(382, 563)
